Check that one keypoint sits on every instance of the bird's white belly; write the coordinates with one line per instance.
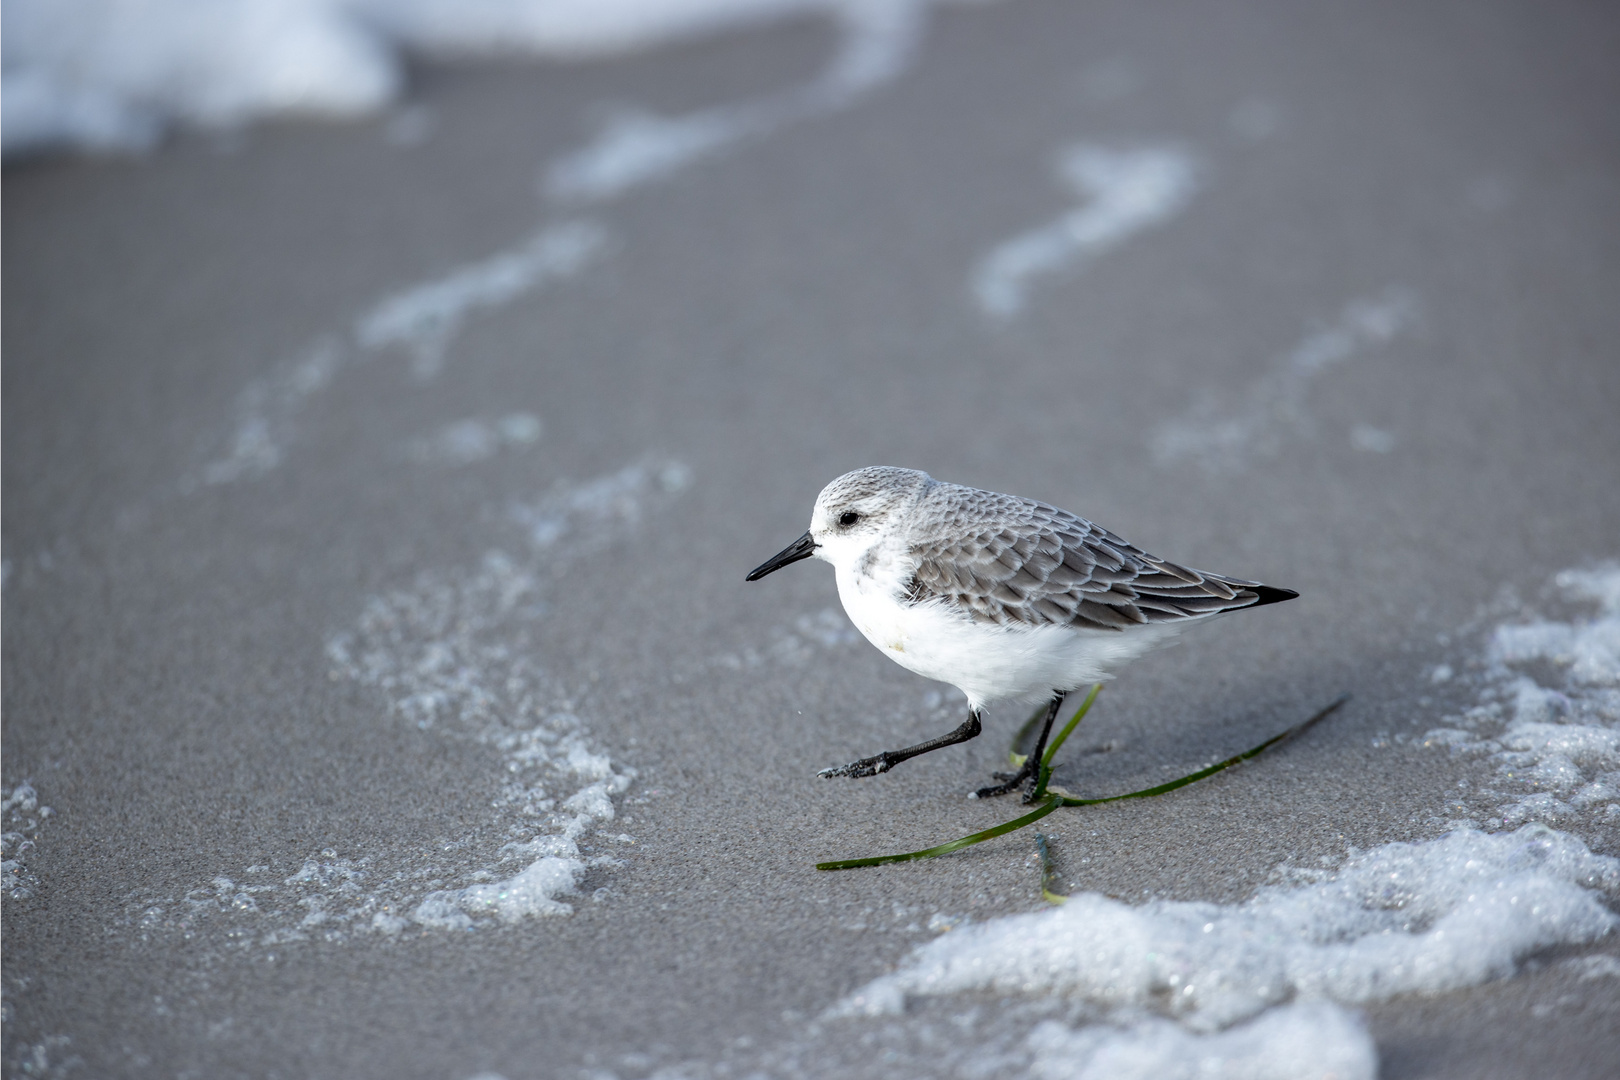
(990, 663)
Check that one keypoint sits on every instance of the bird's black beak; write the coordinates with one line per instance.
(802, 548)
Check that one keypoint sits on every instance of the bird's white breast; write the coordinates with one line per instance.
(869, 591)
(988, 663)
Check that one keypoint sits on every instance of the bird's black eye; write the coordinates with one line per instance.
(848, 518)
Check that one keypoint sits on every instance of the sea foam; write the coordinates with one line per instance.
(422, 320)
(633, 146)
(1403, 918)
(1122, 192)
(1306, 1041)
(1224, 436)
(477, 438)
(113, 75)
(1411, 917)
(1548, 709)
(1268, 987)
(457, 653)
(22, 819)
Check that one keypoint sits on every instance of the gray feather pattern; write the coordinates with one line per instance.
(1029, 564)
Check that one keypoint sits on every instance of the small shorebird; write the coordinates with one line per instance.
(1006, 598)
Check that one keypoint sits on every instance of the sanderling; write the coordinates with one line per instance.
(1006, 598)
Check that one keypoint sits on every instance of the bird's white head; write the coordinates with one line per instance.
(856, 509)
(852, 516)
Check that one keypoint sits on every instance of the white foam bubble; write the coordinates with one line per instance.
(1123, 193)
(113, 75)
(1225, 437)
(1562, 742)
(110, 75)
(22, 819)
(1403, 918)
(1600, 584)
(531, 893)
(1307, 1041)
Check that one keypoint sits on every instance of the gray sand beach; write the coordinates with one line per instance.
(370, 506)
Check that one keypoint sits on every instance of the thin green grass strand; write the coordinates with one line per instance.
(1074, 722)
(1053, 801)
(1044, 774)
(955, 845)
(1193, 778)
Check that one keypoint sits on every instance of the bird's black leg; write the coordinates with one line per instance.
(1036, 718)
(887, 760)
(1032, 764)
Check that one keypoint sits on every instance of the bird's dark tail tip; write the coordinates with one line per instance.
(1271, 595)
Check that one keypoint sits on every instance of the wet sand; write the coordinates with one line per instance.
(799, 305)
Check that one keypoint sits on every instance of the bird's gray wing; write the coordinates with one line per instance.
(1015, 562)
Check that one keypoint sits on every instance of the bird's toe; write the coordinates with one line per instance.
(865, 767)
(1010, 782)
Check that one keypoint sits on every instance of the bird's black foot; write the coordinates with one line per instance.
(1031, 768)
(870, 766)
(882, 763)
(1010, 782)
